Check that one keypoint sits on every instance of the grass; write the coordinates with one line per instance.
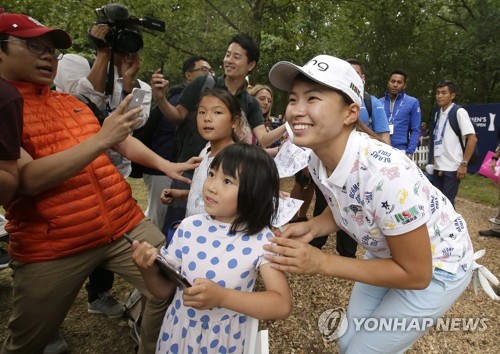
(479, 189)
(139, 191)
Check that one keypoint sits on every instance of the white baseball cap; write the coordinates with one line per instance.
(324, 69)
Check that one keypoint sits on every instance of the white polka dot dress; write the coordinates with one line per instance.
(204, 248)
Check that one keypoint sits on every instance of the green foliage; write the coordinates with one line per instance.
(430, 39)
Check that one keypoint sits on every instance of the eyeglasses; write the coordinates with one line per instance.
(39, 48)
(205, 70)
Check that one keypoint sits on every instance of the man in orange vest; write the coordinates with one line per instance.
(72, 206)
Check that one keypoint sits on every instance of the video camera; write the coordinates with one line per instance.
(124, 35)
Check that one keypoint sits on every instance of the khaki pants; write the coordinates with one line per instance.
(43, 292)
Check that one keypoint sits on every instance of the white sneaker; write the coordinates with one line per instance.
(495, 221)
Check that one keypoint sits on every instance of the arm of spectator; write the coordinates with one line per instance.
(159, 87)
(470, 146)
(134, 150)
(169, 196)
(385, 137)
(380, 122)
(9, 179)
(130, 67)
(265, 137)
(415, 120)
(97, 75)
(36, 176)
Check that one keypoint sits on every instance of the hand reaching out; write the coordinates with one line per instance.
(159, 85)
(174, 170)
(169, 196)
(299, 231)
(292, 255)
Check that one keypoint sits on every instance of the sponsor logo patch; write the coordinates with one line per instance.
(407, 216)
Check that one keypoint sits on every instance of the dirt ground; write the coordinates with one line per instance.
(312, 295)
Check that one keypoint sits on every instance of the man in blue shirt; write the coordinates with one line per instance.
(376, 119)
(403, 112)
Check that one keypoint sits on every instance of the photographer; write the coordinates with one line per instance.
(77, 76)
(106, 82)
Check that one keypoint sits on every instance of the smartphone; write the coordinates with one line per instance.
(137, 98)
(167, 269)
(162, 65)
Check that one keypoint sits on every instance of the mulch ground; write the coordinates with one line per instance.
(312, 295)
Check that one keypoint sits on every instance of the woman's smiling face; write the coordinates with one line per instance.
(316, 114)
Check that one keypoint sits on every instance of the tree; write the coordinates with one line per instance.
(432, 40)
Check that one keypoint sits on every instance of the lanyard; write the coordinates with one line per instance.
(437, 127)
(391, 108)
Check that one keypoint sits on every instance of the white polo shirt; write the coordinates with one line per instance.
(376, 191)
(452, 154)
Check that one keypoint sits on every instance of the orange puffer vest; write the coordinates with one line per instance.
(91, 209)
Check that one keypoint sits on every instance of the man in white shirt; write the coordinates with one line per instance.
(450, 161)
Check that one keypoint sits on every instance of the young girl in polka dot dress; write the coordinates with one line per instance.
(220, 253)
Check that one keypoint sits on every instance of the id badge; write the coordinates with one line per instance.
(438, 148)
(391, 129)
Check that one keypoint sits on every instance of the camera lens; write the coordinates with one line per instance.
(128, 42)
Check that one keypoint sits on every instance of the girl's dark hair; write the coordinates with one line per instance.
(231, 103)
(259, 185)
(347, 100)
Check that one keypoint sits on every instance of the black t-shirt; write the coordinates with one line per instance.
(189, 142)
(11, 121)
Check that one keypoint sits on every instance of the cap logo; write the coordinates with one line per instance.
(355, 89)
(35, 21)
(321, 66)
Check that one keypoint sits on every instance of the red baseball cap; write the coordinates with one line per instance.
(23, 26)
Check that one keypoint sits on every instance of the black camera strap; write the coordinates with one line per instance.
(110, 81)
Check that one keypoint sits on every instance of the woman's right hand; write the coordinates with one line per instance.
(301, 231)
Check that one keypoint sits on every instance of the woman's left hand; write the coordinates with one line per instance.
(203, 295)
(294, 256)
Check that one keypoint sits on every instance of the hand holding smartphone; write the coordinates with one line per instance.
(166, 269)
(137, 98)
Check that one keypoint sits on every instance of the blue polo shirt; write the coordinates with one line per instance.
(378, 123)
(406, 118)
